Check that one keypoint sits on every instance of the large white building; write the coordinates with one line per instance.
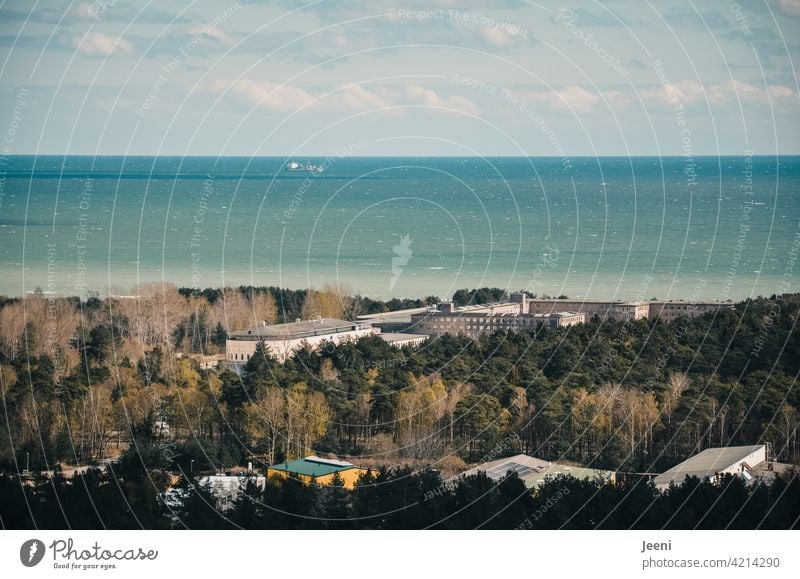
(713, 463)
(282, 340)
(524, 313)
(534, 472)
(519, 313)
(474, 321)
(618, 309)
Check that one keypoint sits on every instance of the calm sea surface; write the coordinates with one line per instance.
(722, 228)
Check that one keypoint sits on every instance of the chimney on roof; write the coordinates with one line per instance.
(319, 319)
(297, 319)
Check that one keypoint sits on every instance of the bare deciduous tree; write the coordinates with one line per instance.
(12, 326)
(266, 419)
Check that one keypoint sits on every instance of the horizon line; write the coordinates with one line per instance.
(643, 156)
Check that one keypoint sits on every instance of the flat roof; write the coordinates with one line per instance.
(533, 471)
(487, 306)
(330, 461)
(313, 466)
(768, 470)
(627, 302)
(579, 472)
(295, 330)
(707, 463)
(520, 463)
(398, 315)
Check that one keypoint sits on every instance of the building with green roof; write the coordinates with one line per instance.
(316, 469)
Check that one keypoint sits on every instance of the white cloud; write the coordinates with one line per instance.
(748, 92)
(496, 36)
(616, 99)
(356, 97)
(572, 98)
(280, 98)
(429, 98)
(285, 98)
(349, 97)
(689, 92)
(99, 44)
(209, 33)
(576, 99)
(778, 91)
(686, 91)
(790, 7)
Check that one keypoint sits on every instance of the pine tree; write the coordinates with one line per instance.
(333, 504)
(201, 509)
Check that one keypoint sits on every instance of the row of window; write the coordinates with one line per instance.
(486, 325)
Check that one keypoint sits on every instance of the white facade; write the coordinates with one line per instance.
(228, 488)
(282, 340)
(619, 310)
(399, 340)
(474, 322)
(713, 463)
(524, 313)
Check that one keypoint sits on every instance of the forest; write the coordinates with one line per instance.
(85, 380)
(128, 497)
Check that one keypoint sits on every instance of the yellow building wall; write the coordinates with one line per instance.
(349, 477)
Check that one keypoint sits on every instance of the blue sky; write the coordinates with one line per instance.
(300, 78)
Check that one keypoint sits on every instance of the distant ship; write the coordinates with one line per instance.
(295, 166)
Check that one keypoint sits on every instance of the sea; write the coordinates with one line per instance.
(721, 228)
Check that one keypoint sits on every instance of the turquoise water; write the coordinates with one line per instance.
(720, 228)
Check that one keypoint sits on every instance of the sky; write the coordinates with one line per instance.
(416, 78)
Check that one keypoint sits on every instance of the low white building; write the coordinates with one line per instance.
(713, 463)
(534, 472)
(227, 488)
(398, 340)
(282, 340)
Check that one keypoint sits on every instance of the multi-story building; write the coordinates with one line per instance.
(618, 309)
(282, 340)
(474, 321)
(670, 310)
(524, 313)
(519, 313)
